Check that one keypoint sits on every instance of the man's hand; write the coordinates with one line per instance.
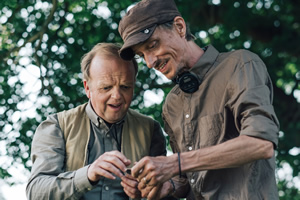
(106, 165)
(155, 192)
(154, 171)
(130, 186)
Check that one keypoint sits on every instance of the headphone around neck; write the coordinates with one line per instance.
(188, 82)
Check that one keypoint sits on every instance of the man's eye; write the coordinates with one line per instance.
(125, 87)
(106, 88)
(153, 44)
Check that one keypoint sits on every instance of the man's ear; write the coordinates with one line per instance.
(180, 26)
(86, 88)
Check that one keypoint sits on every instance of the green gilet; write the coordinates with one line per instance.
(75, 124)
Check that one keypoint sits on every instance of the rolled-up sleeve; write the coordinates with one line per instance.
(251, 101)
(48, 179)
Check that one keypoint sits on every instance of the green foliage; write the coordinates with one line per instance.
(4, 173)
(53, 35)
(287, 192)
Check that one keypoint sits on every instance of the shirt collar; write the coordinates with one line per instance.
(91, 114)
(205, 62)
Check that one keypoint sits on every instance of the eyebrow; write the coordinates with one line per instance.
(101, 85)
(105, 84)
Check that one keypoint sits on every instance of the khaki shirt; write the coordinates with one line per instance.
(49, 180)
(234, 98)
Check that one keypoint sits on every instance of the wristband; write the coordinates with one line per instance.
(179, 164)
(173, 185)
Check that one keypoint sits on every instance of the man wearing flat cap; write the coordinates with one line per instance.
(219, 116)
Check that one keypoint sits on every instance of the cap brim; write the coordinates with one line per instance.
(126, 51)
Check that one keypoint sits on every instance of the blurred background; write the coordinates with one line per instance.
(42, 41)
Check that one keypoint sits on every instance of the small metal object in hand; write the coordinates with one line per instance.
(128, 171)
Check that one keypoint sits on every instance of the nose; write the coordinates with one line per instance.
(150, 60)
(116, 93)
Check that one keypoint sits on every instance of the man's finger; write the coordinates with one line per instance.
(146, 191)
(154, 193)
(130, 182)
(120, 156)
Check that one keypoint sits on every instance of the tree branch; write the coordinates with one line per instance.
(37, 35)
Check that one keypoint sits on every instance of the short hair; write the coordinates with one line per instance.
(106, 50)
(188, 35)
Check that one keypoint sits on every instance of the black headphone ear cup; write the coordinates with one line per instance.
(188, 82)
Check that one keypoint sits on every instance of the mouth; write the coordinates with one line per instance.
(115, 106)
(161, 67)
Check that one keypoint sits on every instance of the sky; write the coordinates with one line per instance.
(17, 191)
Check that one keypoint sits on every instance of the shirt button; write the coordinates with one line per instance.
(192, 180)
(106, 188)
(190, 148)
(187, 116)
(108, 135)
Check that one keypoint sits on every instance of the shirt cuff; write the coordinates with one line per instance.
(81, 180)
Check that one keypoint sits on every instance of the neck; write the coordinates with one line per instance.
(194, 52)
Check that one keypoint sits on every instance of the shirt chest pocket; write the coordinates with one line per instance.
(210, 130)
